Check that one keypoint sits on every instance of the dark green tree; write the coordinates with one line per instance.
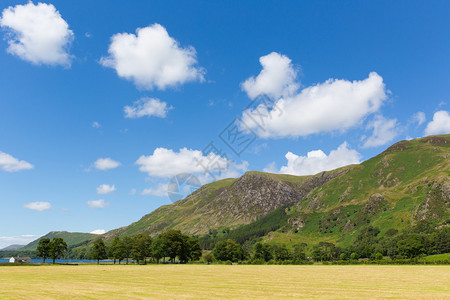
(158, 249)
(366, 241)
(173, 241)
(441, 240)
(281, 252)
(117, 250)
(141, 248)
(194, 252)
(208, 258)
(263, 251)
(325, 251)
(298, 252)
(57, 248)
(228, 250)
(411, 246)
(99, 251)
(128, 247)
(43, 249)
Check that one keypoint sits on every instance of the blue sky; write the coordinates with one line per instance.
(103, 102)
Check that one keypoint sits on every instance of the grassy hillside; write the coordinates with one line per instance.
(406, 183)
(71, 238)
(228, 203)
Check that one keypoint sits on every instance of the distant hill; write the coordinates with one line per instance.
(406, 183)
(12, 247)
(71, 238)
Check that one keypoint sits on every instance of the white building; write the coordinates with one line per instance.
(19, 260)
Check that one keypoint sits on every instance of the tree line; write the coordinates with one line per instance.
(142, 248)
(172, 244)
(420, 240)
(411, 243)
(230, 251)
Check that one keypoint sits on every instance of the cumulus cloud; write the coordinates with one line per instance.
(384, 131)
(105, 189)
(440, 123)
(106, 164)
(334, 105)
(9, 163)
(24, 239)
(165, 163)
(317, 161)
(147, 107)
(419, 118)
(151, 58)
(37, 34)
(277, 78)
(98, 231)
(159, 191)
(96, 124)
(38, 206)
(100, 203)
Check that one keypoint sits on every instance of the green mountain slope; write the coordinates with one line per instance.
(71, 238)
(406, 183)
(228, 202)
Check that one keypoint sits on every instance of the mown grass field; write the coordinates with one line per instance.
(223, 281)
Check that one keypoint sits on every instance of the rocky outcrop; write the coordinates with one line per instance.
(256, 194)
(437, 201)
(297, 222)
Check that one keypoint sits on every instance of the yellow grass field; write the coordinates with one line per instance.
(223, 281)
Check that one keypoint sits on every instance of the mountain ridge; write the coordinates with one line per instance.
(12, 247)
(397, 181)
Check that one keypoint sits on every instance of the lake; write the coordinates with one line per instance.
(63, 261)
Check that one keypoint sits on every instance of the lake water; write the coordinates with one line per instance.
(64, 261)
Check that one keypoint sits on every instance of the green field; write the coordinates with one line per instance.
(224, 281)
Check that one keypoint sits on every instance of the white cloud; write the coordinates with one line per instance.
(271, 168)
(105, 189)
(37, 34)
(384, 131)
(100, 203)
(419, 118)
(9, 163)
(159, 191)
(96, 125)
(276, 79)
(165, 163)
(147, 107)
(133, 192)
(23, 239)
(440, 123)
(317, 161)
(106, 164)
(152, 58)
(98, 231)
(335, 105)
(38, 206)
